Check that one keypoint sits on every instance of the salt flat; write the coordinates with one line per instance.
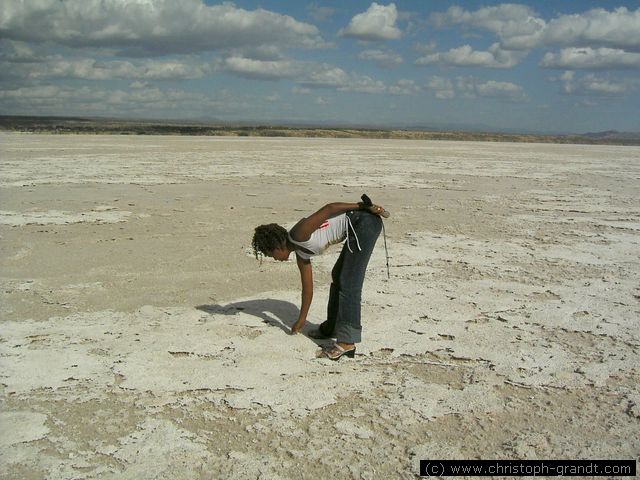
(139, 338)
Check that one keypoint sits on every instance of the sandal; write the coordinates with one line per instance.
(336, 352)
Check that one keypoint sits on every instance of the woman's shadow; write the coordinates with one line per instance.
(273, 312)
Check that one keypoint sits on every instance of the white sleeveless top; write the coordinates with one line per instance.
(335, 230)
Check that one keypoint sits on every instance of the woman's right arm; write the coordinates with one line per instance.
(306, 278)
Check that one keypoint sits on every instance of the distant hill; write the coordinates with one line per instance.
(613, 135)
(78, 125)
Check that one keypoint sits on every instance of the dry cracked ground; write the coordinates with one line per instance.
(139, 337)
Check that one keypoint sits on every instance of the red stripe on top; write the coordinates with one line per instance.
(324, 225)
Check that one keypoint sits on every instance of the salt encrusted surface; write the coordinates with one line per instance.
(140, 339)
(100, 214)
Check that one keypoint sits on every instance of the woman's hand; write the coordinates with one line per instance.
(297, 326)
(378, 210)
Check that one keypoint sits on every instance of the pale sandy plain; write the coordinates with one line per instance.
(140, 339)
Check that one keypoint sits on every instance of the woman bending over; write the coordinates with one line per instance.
(358, 225)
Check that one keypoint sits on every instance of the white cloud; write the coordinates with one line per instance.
(425, 48)
(262, 70)
(619, 28)
(510, 22)
(594, 86)
(53, 100)
(86, 69)
(519, 28)
(91, 69)
(384, 58)
(363, 84)
(326, 76)
(377, 23)
(320, 13)
(67, 100)
(599, 58)
(329, 76)
(301, 91)
(45, 92)
(260, 52)
(17, 52)
(471, 87)
(604, 87)
(441, 87)
(139, 84)
(567, 76)
(159, 27)
(465, 56)
(495, 89)
(404, 87)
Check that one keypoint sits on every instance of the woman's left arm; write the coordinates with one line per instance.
(304, 228)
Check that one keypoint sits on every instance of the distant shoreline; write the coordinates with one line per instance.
(76, 125)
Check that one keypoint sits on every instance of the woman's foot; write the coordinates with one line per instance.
(338, 350)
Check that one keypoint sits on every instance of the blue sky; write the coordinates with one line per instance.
(536, 66)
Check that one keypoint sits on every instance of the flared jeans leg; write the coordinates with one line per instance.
(345, 294)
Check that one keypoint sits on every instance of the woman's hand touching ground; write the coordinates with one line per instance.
(297, 326)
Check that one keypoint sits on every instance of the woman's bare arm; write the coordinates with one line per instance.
(306, 278)
(302, 230)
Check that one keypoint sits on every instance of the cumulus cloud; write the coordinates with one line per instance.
(151, 27)
(363, 84)
(301, 90)
(377, 23)
(55, 94)
(519, 28)
(326, 76)
(260, 52)
(261, 69)
(603, 86)
(471, 87)
(91, 69)
(404, 87)
(619, 28)
(495, 89)
(384, 58)
(320, 13)
(466, 56)
(425, 48)
(308, 75)
(516, 25)
(594, 85)
(67, 100)
(18, 52)
(332, 77)
(442, 88)
(139, 84)
(598, 58)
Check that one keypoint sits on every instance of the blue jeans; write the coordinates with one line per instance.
(343, 309)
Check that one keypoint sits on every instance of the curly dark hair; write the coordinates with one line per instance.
(267, 238)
